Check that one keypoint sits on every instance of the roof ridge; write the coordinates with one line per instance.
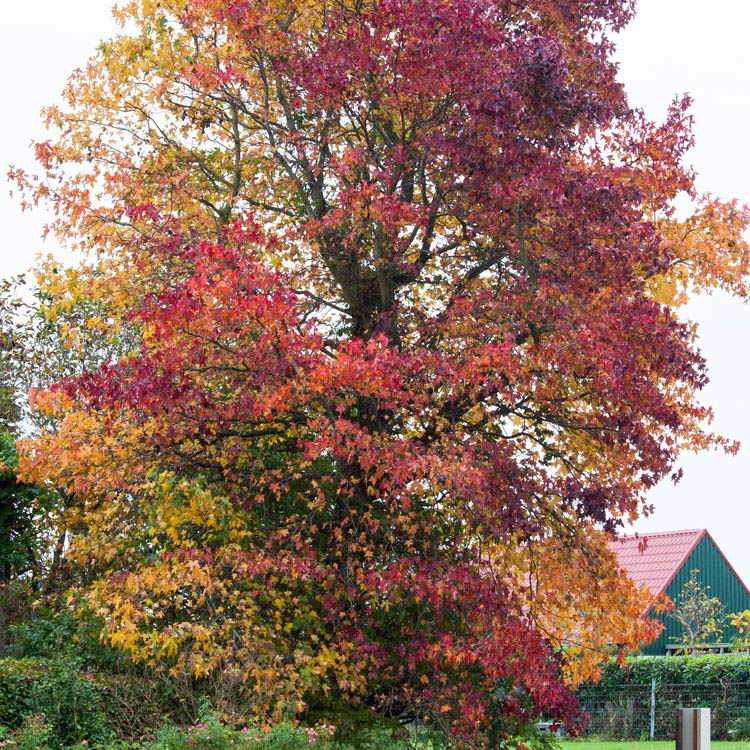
(646, 534)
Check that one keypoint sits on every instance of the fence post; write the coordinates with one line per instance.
(693, 729)
(652, 728)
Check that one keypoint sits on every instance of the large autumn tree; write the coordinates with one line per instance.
(382, 293)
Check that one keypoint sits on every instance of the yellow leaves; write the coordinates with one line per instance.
(219, 611)
(741, 621)
(168, 647)
(475, 415)
(708, 250)
(666, 290)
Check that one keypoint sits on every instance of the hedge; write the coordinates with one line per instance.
(82, 705)
(619, 705)
(679, 670)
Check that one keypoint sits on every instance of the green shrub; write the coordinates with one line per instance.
(15, 606)
(741, 728)
(137, 703)
(679, 670)
(381, 736)
(50, 635)
(36, 734)
(5, 735)
(16, 679)
(209, 734)
(72, 703)
(69, 701)
(33, 735)
(81, 704)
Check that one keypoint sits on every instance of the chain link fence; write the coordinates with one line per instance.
(632, 712)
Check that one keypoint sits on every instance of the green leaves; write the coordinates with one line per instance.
(24, 510)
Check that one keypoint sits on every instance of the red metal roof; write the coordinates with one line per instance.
(652, 560)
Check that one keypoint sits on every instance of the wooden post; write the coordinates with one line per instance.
(693, 729)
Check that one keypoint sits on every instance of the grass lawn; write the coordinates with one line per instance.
(627, 745)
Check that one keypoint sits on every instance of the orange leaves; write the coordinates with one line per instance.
(707, 251)
(577, 595)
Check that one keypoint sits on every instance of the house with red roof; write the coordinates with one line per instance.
(662, 563)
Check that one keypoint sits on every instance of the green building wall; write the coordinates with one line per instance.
(714, 571)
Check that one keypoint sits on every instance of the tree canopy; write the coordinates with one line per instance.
(378, 310)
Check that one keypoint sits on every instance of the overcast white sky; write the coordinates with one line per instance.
(672, 46)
